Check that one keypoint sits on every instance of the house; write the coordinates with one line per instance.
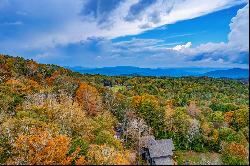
(157, 152)
(107, 83)
(129, 86)
(118, 131)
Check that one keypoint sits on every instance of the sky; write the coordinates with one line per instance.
(142, 33)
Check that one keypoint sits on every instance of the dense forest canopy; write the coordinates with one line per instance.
(51, 115)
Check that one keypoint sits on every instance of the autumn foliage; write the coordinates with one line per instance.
(192, 109)
(107, 155)
(234, 154)
(40, 147)
(51, 115)
(88, 98)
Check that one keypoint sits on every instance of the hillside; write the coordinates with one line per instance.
(52, 115)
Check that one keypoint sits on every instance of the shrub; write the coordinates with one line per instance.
(234, 154)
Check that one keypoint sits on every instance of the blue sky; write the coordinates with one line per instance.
(143, 33)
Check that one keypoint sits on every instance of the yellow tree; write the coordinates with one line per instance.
(107, 155)
(237, 119)
(192, 109)
(40, 147)
(169, 113)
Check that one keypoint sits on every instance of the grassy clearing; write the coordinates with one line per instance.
(195, 158)
(117, 88)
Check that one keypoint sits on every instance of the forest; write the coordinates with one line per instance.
(52, 115)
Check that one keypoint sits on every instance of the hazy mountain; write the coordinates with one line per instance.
(136, 71)
(228, 73)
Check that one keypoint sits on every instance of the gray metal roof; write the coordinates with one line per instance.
(163, 161)
(145, 141)
(161, 148)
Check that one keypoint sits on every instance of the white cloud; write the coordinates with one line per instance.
(41, 56)
(180, 47)
(180, 35)
(167, 12)
(236, 50)
(171, 11)
(239, 35)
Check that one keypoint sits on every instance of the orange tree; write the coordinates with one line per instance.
(88, 98)
(237, 119)
(234, 154)
(39, 147)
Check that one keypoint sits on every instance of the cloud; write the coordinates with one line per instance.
(239, 26)
(236, 50)
(41, 56)
(136, 9)
(61, 22)
(99, 11)
(180, 35)
(12, 23)
(152, 52)
(80, 32)
(180, 47)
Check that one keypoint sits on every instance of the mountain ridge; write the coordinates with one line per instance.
(173, 72)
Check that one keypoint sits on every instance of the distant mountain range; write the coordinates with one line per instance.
(229, 73)
(174, 72)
